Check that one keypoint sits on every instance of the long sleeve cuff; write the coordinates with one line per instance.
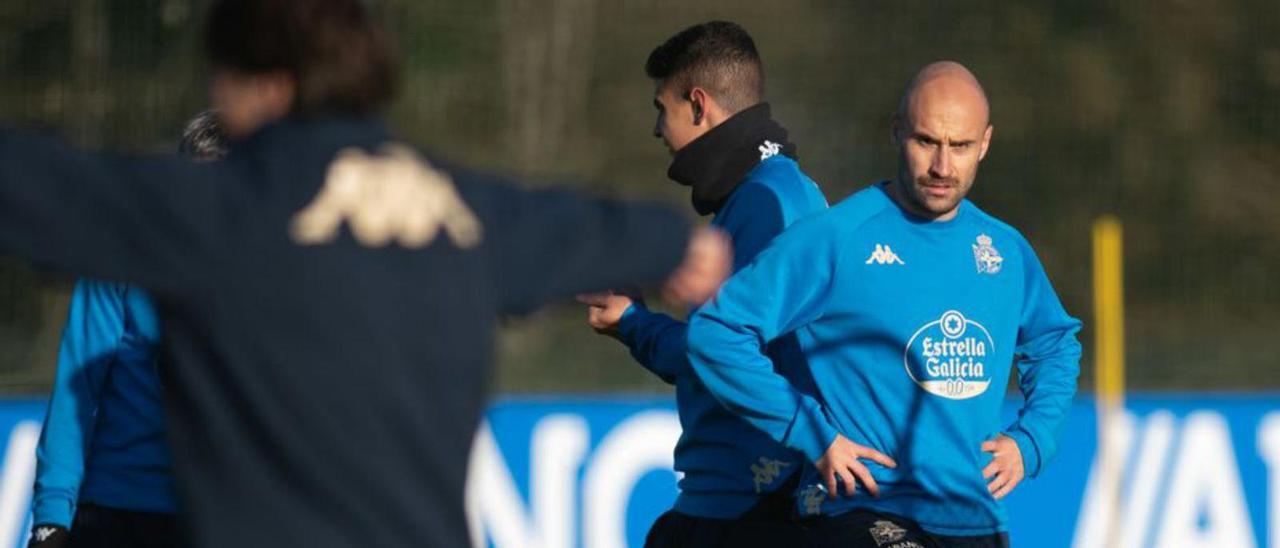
(628, 322)
(810, 433)
(53, 511)
(1026, 446)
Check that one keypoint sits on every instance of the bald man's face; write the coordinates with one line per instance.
(942, 134)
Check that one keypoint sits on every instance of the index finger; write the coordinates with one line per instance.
(991, 469)
(876, 456)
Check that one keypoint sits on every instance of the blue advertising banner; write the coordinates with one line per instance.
(1194, 470)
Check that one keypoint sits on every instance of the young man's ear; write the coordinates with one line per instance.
(698, 102)
(895, 125)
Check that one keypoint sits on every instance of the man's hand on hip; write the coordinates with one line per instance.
(841, 461)
(1005, 470)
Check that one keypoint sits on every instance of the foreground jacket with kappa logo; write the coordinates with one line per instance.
(910, 329)
(328, 310)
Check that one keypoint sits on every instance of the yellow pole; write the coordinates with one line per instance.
(1108, 305)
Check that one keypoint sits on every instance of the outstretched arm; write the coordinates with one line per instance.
(146, 219)
(550, 244)
(753, 216)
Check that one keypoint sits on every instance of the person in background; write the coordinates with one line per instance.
(103, 473)
(328, 293)
(913, 307)
(742, 168)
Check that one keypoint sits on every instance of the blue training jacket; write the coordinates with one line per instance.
(910, 329)
(104, 434)
(726, 462)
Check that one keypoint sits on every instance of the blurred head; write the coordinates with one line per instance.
(942, 130)
(203, 139)
(702, 76)
(276, 58)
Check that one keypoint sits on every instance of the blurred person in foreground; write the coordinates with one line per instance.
(736, 482)
(327, 295)
(911, 305)
(103, 472)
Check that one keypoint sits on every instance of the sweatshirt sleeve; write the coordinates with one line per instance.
(144, 219)
(657, 341)
(752, 217)
(784, 289)
(95, 326)
(1048, 362)
(551, 244)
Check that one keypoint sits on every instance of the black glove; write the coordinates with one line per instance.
(48, 536)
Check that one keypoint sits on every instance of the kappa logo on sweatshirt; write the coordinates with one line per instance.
(766, 472)
(883, 254)
(948, 357)
(394, 195)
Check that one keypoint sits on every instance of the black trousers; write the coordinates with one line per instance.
(766, 525)
(861, 528)
(101, 527)
(676, 530)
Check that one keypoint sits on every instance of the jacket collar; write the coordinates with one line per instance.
(715, 163)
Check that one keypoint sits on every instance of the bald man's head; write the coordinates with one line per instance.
(942, 130)
(945, 79)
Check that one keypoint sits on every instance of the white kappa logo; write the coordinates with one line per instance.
(886, 531)
(811, 498)
(947, 357)
(769, 149)
(884, 255)
(767, 471)
(987, 256)
(43, 533)
(394, 195)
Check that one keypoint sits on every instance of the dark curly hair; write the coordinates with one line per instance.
(203, 138)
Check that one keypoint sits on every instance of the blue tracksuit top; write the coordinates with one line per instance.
(726, 462)
(910, 329)
(104, 435)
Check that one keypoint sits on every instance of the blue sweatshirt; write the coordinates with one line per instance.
(104, 435)
(726, 462)
(910, 328)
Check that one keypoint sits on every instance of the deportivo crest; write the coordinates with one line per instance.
(987, 256)
(886, 531)
(948, 357)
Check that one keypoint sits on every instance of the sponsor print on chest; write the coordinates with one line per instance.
(949, 353)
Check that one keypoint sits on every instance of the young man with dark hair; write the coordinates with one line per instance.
(742, 168)
(103, 472)
(912, 306)
(327, 294)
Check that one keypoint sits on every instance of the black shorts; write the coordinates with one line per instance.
(676, 530)
(101, 527)
(863, 528)
(769, 523)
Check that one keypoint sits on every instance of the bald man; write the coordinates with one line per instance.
(912, 308)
